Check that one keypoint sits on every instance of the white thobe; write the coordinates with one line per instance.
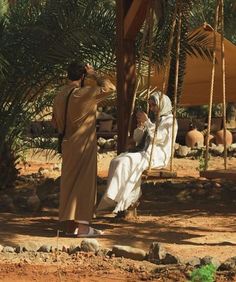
(125, 171)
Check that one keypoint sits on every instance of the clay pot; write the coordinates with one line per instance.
(219, 136)
(234, 136)
(194, 138)
(211, 139)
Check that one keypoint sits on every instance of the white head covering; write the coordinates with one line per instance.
(165, 106)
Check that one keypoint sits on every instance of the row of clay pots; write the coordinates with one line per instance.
(195, 138)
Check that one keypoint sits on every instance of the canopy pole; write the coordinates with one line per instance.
(212, 87)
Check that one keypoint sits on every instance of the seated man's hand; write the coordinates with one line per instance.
(141, 117)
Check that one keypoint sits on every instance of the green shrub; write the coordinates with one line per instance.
(205, 273)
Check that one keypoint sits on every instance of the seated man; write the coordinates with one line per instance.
(125, 171)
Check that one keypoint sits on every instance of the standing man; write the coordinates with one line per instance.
(78, 186)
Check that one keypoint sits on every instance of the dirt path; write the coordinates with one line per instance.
(196, 228)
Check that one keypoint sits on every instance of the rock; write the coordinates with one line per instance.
(57, 167)
(228, 265)
(208, 185)
(73, 249)
(176, 146)
(57, 248)
(65, 249)
(217, 150)
(217, 185)
(129, 252)
(104, 252)
(101, 141)
(194, 261)
(33, 203)
(170, 259)
(8, 249)
(233, 146)
(90, 245)
(1, 248)
(210, 260)
(31, 178)
(42, 171)
(184, 196)
(19, 249)
(194, 153)
(52, 196)
(183, 151)
(110, 143)
(30, 247)
(45, 249)
(199, 193)
(156, 251)
(198, 185)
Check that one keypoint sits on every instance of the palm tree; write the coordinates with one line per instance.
(39, 38)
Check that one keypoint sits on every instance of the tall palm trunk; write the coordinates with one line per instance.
(8, 170)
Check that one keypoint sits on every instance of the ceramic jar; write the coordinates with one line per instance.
(219, 137)
(194, 138)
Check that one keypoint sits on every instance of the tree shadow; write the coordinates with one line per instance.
(160, 219)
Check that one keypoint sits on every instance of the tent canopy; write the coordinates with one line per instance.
(197, 81)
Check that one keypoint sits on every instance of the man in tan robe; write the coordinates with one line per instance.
(78, 186)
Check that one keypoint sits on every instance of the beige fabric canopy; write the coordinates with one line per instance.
(197, 83)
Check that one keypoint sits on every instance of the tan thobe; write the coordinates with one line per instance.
(78, 186)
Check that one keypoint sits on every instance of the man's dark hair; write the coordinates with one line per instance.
(75, 71)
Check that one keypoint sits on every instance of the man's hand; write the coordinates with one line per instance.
(89, 69)
(141, 117)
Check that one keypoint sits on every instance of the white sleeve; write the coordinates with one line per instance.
(162, 132)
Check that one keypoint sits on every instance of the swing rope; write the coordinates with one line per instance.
(145, 33)
(151, 20)
(176, 84)
(223, 79)
(212, 87)
(164, 87)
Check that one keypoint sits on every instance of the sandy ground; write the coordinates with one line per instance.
(186, 229)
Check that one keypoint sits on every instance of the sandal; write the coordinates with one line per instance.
(91, 233)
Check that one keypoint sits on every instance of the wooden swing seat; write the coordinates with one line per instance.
(229, 174)
(156, 173)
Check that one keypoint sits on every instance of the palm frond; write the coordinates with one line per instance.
(199, 45)
(84, 34)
